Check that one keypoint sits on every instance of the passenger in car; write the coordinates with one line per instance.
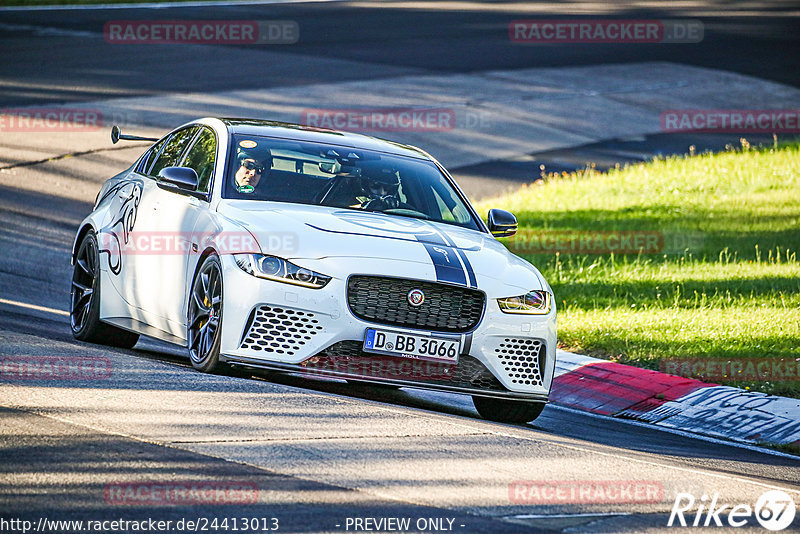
(252, 168)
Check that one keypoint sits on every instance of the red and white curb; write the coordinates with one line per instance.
(617, 390)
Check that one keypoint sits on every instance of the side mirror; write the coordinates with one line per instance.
(502, 223)
(183, 177)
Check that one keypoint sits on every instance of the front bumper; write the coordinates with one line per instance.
(278, 326)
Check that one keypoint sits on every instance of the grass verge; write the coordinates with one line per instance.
(678, 260)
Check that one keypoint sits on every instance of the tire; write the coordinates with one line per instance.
(507, 411)
(84, 315)
(205, 317)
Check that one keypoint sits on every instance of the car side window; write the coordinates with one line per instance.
(201, 158)
(150, 156)
(175, 146)
(449, 209)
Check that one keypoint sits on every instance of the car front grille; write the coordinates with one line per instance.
(384, 300)
(347, 357)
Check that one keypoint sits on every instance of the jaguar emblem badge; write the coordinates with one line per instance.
(416, 297)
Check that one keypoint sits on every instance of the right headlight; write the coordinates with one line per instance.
(280, 270)
(531, 303)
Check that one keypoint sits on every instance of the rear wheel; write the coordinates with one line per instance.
(205, 316)
(507, 411)
(84, 315)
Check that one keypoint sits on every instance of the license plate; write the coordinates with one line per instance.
(415, 346)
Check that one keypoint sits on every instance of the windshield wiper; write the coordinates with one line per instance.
(413, 214)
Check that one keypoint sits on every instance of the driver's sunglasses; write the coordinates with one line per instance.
(250, 165)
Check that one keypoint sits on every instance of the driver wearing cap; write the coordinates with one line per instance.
(252, 167)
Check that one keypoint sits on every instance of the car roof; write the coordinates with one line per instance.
(299, 132)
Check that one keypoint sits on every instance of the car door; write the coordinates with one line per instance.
(200, 156)
(160, 241)
(114, 235)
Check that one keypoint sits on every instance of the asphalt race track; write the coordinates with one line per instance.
(316, 455)
(363, 40)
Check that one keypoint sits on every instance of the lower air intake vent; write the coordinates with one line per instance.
(522, 359)
(280, 330)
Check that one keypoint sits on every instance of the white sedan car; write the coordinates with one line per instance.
(295, 249)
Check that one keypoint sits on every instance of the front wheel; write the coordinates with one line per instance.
(507, 411)
(84, 310)
(205, 316)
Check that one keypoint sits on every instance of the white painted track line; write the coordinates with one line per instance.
(34, 307)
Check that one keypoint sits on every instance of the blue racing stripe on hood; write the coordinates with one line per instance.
(445, 261)
(450, 244)
(473, 282)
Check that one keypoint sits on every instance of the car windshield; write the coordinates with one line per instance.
(268, 169)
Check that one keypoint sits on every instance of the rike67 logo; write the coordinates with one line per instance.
(774, 510)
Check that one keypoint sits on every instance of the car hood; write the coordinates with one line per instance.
(453, 254)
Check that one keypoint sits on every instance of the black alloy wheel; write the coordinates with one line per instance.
(205, 316)
(84, 310)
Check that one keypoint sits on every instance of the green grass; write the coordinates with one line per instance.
(791, 448)
(726, 283)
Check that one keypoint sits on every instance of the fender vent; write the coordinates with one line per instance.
(522, 359)
(280, 330)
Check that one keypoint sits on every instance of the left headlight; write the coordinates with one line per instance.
(280, 270)
(531, 303)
